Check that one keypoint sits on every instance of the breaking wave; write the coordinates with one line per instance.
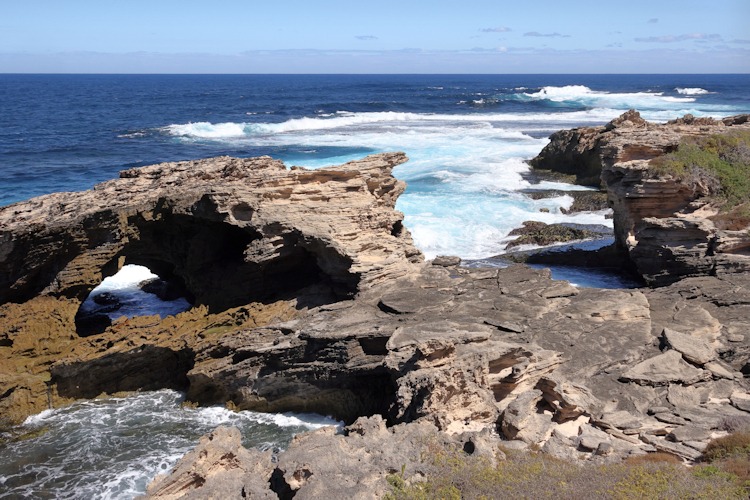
(584, 96)
(692, 91)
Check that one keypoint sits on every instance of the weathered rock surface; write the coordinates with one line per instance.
(664, 223)
(219, 467)
(694, 350)
(435, 349)
(231, 230)
(318, 464)
(665, 369)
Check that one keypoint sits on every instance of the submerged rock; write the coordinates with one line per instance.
(542, 234)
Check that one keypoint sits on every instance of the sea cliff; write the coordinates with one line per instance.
(673, 224)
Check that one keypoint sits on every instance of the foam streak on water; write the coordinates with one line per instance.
(112, 448)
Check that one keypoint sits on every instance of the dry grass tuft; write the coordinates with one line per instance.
(658, 457)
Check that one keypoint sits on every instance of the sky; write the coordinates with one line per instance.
(384, 36)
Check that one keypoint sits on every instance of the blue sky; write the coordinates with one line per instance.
(337, 36)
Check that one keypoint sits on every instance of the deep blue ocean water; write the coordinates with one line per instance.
(467, 135)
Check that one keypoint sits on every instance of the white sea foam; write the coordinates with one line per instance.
(112, 448)
(465, 171)
(692, 91)
(124, 285)
(583, 95)
(344, 119)
(207, 130)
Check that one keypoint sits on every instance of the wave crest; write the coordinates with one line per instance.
(586, 97)
(691, 91)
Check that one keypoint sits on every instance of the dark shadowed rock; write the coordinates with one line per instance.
(541, 234)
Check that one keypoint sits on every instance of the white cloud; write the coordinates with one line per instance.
(498, 29)
(713, 37)
(546, 35)
(366, 37)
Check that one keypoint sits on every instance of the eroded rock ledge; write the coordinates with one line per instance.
(663, 222)
(472, 357)
(231, 230)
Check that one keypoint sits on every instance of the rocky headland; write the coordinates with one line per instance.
(671, 225)
(310, 296)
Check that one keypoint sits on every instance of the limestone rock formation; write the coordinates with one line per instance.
(663, 222)
(231, 230)
(246, 239)
(320, 464)
(219, 467)
(310, 297)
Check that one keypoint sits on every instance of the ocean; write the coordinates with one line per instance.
(467, 137)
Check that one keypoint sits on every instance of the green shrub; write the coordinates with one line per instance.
(718, 163)
(730, 454)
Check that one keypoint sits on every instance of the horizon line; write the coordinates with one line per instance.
(354, 74)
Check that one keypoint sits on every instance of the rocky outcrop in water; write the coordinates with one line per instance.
(231, 230)
(664, 223)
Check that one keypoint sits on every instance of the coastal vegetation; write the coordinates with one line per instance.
(452, 474)
(718, 164)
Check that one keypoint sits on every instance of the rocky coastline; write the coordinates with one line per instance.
(310, 296)
(667, 225)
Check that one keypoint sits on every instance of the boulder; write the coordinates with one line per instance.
(664, 369)
(219, 467)
(694, 350)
